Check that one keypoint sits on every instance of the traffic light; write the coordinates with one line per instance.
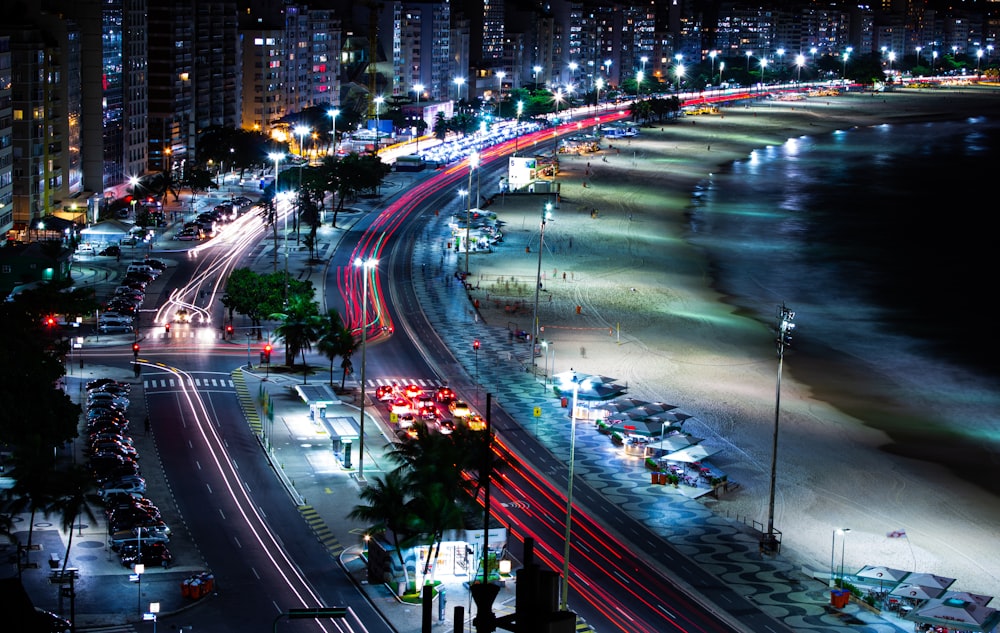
(135, 350)
(166, 326)
(475, 345)
(50, 321)
(229, 331)
(267, 353)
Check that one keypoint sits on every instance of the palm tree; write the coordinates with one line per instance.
(336, 340)
(74, 500)
(32, 489)
(432, 465)
(386, 510)
(300, 326)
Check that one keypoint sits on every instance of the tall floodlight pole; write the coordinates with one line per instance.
(833, 550)
(366, 265)
(785, 327)
(473, 163)
(564, 594)
(712, 57)
(378, 106)
(500, 76)
(546, 214)
(517, 129)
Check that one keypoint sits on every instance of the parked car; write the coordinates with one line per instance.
(147, 554)
(187, 235)
(112, 446)
(158, 264)
(111, 251)
(132, 538)
(101, 383)
(131, 485)
(48, 622)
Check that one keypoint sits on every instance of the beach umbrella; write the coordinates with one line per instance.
(599, 391)
(637, 427)
(648, 409)
(929, 580)
(878, 572)
(627, 414)
(671, 443)
(663, 406)
(965, 596)
(694, 453)
(916, 592)
(955, 614)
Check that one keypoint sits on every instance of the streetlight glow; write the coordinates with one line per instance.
(333, 113)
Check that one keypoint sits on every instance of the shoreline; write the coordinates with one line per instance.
(685, 341)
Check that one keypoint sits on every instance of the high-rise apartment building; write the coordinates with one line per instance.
(6, 140)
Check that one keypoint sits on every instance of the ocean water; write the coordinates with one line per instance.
(881, 241)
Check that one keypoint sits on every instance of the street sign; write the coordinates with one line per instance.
(537, 412)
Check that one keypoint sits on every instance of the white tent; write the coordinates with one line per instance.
(106, 232)
(916, 592)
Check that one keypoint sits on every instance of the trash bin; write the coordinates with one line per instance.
(564, 402)
(654, 478)
(663, 478)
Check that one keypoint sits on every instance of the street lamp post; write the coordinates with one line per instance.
(711, 56)
(847, 54)
(500, 76)
(459, 82)
(572, 72)
(785, 327)
(843, 546)
(333, 114)
(763, 67)
(276, 157)
(800, 61)
(366, 265)
(833, 549)
(517, 129)
(546, 214)
(979, 58)
(748, 61)
(139, 570)
(473, 163)
(378, 106)
(598, 85)
(475, 348)
(536, 70)
(564, 598)
(679, 72)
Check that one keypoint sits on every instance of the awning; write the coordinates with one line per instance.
(956, 614)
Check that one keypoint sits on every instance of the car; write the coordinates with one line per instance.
(405, 420)
(48, 622)
(385, 393)
(399, 406)
(107, 425)
(158, 264)
(114, 328)
(106, 397)
(131, 485)
(429, 413)
(115, 437)
(446, 426)
(112, 446)
(445, 395)
(412, 391)
(147, 554)
(136, 537)
(182, 316)
(121, 388)
(423, 400)
(459, 409)
(132, 520)
(187, 235)
(475, 422)
(100, 383)
(111, 251)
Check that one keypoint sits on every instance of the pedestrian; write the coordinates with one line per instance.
(564, 276)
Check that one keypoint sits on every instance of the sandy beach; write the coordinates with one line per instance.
(650, 317)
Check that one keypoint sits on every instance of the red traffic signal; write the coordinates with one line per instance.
(135, 349)
(50, 321)
(267, 354)
(166, 326)
(229, 330)
(475, 344)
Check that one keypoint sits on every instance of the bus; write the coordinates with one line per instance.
(410, 163)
